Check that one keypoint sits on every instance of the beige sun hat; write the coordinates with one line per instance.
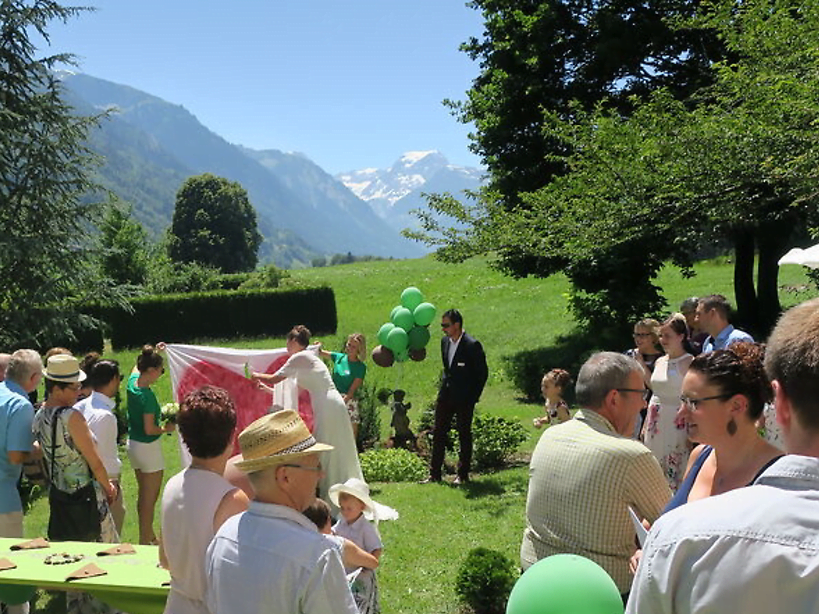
(64, 368)
(275, 439)
(361, 491)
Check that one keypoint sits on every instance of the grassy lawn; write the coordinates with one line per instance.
(439, 524)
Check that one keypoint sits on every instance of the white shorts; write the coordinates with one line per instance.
(146, 457)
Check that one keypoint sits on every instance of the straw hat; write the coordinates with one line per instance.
(275, 439)
(64, 368)
(359, 489)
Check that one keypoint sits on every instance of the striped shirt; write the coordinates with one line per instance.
(582, 478)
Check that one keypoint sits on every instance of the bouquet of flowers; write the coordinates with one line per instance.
(168, 412)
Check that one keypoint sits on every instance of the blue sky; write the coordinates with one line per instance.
(351, 84)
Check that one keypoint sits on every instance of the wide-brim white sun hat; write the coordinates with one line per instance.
(373, 510)
(275, 439)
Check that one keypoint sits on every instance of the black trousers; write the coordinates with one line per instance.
(446, 409)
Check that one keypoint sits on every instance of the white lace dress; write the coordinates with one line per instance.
(331, 420)
(664, 434)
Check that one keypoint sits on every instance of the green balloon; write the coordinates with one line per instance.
(384, 331)
(418, 337)
(397, 340)
(394, 309)
(403, 318)
(562, 584)
(411, 297)
(424, 314)
(15, 594)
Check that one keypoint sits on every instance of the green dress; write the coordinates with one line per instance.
(141, 401)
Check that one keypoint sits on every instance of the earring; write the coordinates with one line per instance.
(732, 427)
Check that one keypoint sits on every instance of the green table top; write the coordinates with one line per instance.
(133, 580)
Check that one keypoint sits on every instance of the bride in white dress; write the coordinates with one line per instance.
(331, 420)
(663, 433)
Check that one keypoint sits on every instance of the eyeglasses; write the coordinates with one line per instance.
(318, 467)
(637, 390)
(694, 403)
(445, 325)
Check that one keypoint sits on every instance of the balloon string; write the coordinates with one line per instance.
(399, 376)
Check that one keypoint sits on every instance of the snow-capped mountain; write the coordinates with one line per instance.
(393, 192)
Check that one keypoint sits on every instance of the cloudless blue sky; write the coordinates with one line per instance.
(351, 84)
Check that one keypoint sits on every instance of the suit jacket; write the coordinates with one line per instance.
(465, 379)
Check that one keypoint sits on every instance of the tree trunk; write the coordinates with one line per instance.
(746, 307)
(773, 243)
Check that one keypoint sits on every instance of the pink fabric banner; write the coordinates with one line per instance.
(192, 366)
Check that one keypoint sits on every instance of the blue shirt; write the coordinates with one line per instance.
(752, 550)
(16, 417)
(725, 338)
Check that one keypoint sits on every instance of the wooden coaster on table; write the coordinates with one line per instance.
(86, 571)
(33, 544)
(120, 549)
(6, 564)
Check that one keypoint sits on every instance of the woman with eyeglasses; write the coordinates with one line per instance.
(664, 432)
(723, 395)
(144, 429)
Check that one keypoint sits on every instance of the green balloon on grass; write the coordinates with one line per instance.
(565, 584)
(397, 340)
(424, 314)
(403, 318)
(384, 331)
(15, 594)
(418, 337)
(411, 297)
(394, 309)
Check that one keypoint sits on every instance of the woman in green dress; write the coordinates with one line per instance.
(349, 372)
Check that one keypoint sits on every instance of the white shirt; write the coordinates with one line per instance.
(753, 550)
(361, 532)
(453, 347)
(272, 560)
(98, 412)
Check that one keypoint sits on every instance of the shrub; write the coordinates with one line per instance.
(369, 429)
(392, 465)
(269, 276)
(224, 314)
(485, 579)
(167, 277)
(494, 440)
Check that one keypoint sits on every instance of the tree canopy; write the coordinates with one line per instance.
(732, 159)
(46, 245)
(214, 224)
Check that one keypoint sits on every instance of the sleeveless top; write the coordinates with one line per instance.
(189, 503)
(681, 498)
(71, 471)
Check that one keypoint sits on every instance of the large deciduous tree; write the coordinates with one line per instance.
(720, 151)
(46, 259)
(214, 224)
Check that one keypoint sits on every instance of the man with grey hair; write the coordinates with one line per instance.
(587, 472)
(23, 375)
(754, 549)
(272, 558)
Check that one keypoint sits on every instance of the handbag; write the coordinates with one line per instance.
(73, 516)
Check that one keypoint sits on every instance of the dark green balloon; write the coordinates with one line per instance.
(418, 337)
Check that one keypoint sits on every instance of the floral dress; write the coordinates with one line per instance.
(71, 472)
(664, 434)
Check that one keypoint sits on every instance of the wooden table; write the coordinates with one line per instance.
(134, 583)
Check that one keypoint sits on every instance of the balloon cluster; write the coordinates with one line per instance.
(407, 333)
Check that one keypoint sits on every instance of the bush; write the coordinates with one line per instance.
(269, 276)
(167, 277)
(494, 440)
(369, 430)
(221, 314)
(485, 579)
(392, 465)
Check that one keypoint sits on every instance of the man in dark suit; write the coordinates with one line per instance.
(465, 374)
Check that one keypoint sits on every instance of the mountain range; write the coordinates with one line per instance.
(149, 147)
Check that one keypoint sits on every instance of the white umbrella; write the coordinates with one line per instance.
(806, 257)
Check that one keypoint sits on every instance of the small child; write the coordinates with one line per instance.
(353, 499)
(351, 555)
(552, 385)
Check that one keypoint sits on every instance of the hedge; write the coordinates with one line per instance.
(222, 314)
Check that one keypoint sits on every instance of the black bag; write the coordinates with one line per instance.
(73, 516)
